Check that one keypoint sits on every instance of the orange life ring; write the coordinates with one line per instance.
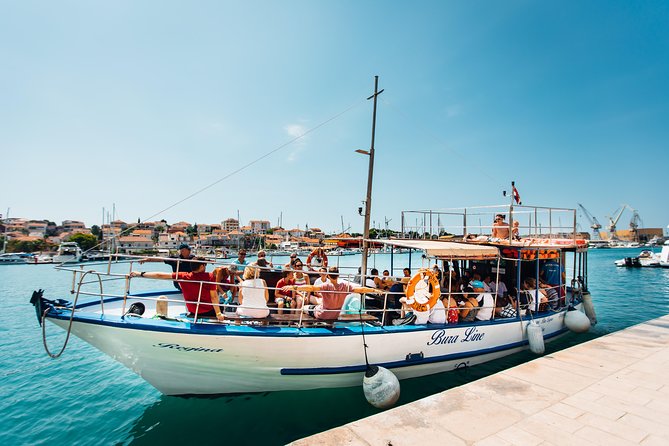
(315, 253)
(411, 289)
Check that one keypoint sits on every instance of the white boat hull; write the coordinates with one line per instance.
(180, 358)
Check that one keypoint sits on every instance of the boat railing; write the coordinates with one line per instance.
(533, 221)
(380, 313)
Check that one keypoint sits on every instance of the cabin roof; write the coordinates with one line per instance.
(438, 248)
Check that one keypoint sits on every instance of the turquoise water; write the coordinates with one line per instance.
(87, 398)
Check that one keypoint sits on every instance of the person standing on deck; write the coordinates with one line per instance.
(180, 263)
(552, 273)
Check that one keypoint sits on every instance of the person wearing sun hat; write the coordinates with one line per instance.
(180, 263)
(485, 300)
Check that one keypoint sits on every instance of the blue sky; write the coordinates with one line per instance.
(141, 104)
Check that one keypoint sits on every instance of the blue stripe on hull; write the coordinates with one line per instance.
(400, 364)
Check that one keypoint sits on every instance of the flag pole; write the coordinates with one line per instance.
(513, 197)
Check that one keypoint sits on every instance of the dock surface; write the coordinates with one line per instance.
(613, 390)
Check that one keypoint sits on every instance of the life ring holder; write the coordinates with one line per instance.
(411, 290)
(315, 253)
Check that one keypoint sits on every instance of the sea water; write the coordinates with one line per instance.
(85, 397)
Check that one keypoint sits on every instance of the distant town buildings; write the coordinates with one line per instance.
(132, 238)
(230, 224)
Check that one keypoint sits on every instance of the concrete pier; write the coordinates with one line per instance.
(613, 390)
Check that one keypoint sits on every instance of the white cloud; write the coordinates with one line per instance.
(295, 131)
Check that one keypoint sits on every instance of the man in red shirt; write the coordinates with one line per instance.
(197, 285)
(281, 297)
(333, 294)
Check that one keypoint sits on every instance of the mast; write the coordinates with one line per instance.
(513, 187)
(370, 175)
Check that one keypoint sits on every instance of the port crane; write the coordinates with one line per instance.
(614, 221)
(594, 224)
(635, 222)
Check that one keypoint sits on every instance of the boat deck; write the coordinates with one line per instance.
(613, 390)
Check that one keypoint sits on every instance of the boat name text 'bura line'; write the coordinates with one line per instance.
(188, 349)
(471, 334)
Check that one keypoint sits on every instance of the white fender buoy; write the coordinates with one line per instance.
(381, 387)
(589, 308)
(576, 321)
(161, 306)
(535, 336)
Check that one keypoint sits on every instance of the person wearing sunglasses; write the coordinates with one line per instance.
(500, 228)
(301, 279)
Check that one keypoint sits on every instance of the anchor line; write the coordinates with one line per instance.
(69, 326)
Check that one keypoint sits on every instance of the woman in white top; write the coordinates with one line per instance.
(253, 295)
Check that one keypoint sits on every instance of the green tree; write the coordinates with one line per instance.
(96, 231)
(85, 241)
(27, 246)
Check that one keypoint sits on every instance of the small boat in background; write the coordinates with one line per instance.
(15, 258)
(68, 252)
(645, 258)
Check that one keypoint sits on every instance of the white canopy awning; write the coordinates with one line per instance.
(444, 249)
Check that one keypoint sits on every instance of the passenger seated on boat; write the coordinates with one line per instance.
(195, 285)
(487, 280)
(475, 238)
(226, 278)
(438, 314)
(485, 301)
(538, 298)
(293, 259)
(180, 263)
(452, 313)
(437, 270)
(333, 295)
(371, 280)
(468, 305)
(322, 276)
(386, 281)
(551, 294)
(241, 261)
(301, 278)
(515, 230)
(500, 228)
(262, 260)
(498, 288)
(405, 280)
(506, 307)
(253, 294)
(281, 297)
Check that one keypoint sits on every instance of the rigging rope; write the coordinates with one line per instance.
(236, 171)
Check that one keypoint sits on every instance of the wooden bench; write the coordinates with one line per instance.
(292, 318)
(365, 317)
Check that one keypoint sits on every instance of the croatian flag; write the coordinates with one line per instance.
(516, 195)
